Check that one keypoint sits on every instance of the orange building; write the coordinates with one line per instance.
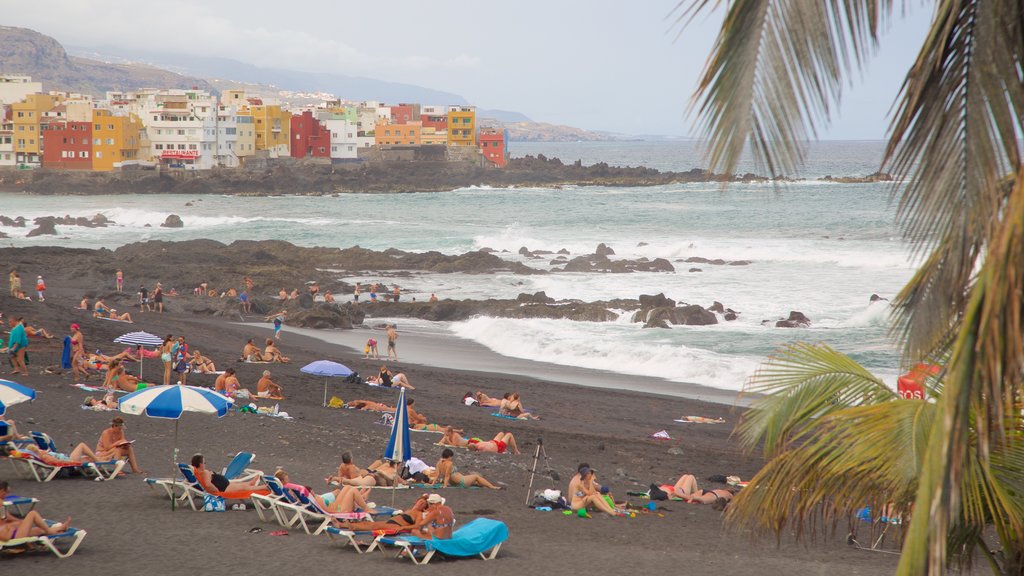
(115, 139)
(409, 134)
(462, 126)
(27, 116)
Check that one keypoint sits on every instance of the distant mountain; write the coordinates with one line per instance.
(341, 85)
(24, 51)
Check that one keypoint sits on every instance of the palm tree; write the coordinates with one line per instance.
(775, 73)
(837, 438)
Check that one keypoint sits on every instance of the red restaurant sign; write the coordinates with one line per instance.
(180, 154)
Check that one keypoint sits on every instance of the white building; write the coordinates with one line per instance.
(14, 88)
(345, 138)
(182, 129)
(6, 142)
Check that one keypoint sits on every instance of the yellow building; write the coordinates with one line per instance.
(115, 139)
(462, 126)
(28, 139)
(388, 134)
(272, 126)
(431, 135)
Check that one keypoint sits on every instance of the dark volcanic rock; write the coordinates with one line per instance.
(730, 316)
(18, 222)
(694, 315)
(173, 221)
(876, 298)
(695, 270)
(45, 225)
(717, 307)
(795, 320)
(655, 324)
(563, 251)
(536, 298)
(604, 250)
(657, 301)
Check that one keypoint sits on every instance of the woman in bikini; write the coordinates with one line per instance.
(438, 520)
(446, 474)
(219, 482)
(272, 354)
(351, 475)
(81, 454)
(165, 357)
(31, 525)
(485, 400)
(511, 406)
(109, 402)
(405, 520)
(117, 378)
(369, 406)
(126, 317)
(343, 500)
(78, 368)
(418, 421)
(201, 363)
(586, 493)
(687, 489)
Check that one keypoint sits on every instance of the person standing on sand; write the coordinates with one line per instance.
(179, 357)
(144, 298)
(18, 346)
(120, 280)
(40, 288)
(243, 299)
(355, 292)
(15, 280)
(158, 298)
(278, 322)
(392, 339)
(166, 358)
(396, 294)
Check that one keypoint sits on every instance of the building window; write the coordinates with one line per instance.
(96, 127)
(181, 146)
(181, 132)
(159, 146)
(110, 141)
(192, 147)
(99, 154)
(95, 142)
(83, 154)
(110, 126)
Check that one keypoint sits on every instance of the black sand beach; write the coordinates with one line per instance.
(132, 530)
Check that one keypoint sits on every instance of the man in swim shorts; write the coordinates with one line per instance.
(392, 339)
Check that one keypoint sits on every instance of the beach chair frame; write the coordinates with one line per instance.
(73, 537)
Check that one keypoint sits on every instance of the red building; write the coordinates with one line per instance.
(309, 137)
(67, 145)
(437, 122)
(403, 113)
(493, 145)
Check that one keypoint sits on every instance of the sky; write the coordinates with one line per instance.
(606, 65)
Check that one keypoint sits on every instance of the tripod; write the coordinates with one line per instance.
(536, 456)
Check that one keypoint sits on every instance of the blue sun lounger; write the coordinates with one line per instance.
(481, 537)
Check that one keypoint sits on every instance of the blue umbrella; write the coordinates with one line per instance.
(140, 339)
(399, 447)
(171, 402)
(327, 369)
(12, 393)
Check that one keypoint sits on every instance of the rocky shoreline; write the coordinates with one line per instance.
(312, 178)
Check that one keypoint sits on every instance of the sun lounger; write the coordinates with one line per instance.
(350, 537)
(62, 545)
(44, 472)
(315, 519)
(238, 468)
(285, 511)
(481, 537)
(20, 504)
(195, 490)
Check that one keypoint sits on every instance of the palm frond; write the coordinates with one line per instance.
(954, 137)
(802, 384)
(856, 456)
(775, 72)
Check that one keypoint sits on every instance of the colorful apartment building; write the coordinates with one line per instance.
(26, 117)
(116, 140)
(6, 137)
(494, 145)
(310, 138)
(435, 117)
(272, 125)
(67, 145)
(461, 126)
(386, 134)
(432, 136)
(405, 113)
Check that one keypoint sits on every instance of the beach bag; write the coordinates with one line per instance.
(213, 503)
(387, 419)
(353, 378)
(657, 493)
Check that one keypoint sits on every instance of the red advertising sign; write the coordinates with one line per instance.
(180, 154)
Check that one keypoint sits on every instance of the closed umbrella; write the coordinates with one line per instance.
(171, 402)
(13, 393)
(399, 448)
(327, 369)
(139, 339)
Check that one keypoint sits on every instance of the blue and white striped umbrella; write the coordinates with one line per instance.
(144, 339)
(13, 393)
(171, 401)
(399, 447)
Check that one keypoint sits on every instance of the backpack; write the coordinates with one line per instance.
(657, 493)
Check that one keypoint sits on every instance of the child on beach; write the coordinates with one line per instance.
(40, 288)
(120, 280)
(370, 351)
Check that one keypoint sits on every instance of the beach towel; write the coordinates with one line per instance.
(660, 435)
(114, 320)
(505, 416)
(89, 388)
(65, 356)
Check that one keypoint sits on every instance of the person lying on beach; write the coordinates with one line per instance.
(446, 474)
(266, 388)
(84, 304)
(511, 406)
(286, 482)
(482, 399)
(386, 473)
(250, 353)
(369, 406)
(586, 493)
(501, 442)
(108, 402)
(687, 489)
(351, 475)
(402, 381)
(113, 445)
(118, 378)
(418, 421)
(272, 354)
(99, 359)
(38, 332)
(201, 364)
(383, 378)
(80, 454)
(405, 520)
(31, 525)
(453, 437)
(220, 483)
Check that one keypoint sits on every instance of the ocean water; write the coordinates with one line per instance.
(816, 247)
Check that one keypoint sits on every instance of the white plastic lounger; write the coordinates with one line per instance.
(62, 545)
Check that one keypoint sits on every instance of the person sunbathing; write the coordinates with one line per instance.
(113, 445)
(84, 304)
(511, 406)
(233, 389)
(343, 500)
(351, 475)
(369, 406)
(483, 399)
(31, 525)
(501, 443)
(108, 402)
(386, 473)
(446, 474)
(219, 482)
(453, 437)
(402, 381)
(418, 421)
(126, 317)
(403, 521)
(437, 521)
(286, 482)
(586, 493)
(383, 378)
(38, 332)
(266, 388)
(8, 431)
(687, 489)
(80, 454)
(272, 354)
(201, 364)
(250, 353)
(118, 378)
(100, 308)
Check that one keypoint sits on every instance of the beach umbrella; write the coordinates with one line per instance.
(399, 448)
(139, 339)
(171, 402)
(13, 393)
(327, 369)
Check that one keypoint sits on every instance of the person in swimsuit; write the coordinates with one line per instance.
(201, 364)
(113, 445)
(687, 489)
(109, 402)
(217, 481)
(84, 304)
(483, 399)
(80, 454)
(418, 421)
(120, 280)
(355, 292)
(511, 406)
(165, 357)
(446, 474)
(117, 378)
(158, 298)
(78, 369)
(402, 381)
(383, 378)
(31, 525)
(370, 350)
(586, 493)
(407, 519)
(272, 354)
(369, 406)
(392, 340)
(501, 443)
(438, 520)
(266, 388)
(351, 475)
(250, 353)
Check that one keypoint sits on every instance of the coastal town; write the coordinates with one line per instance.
(193, 129)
